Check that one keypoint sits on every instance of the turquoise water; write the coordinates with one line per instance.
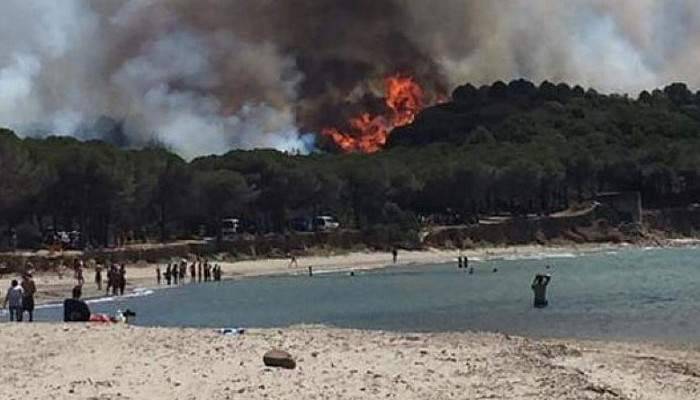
(635, 293)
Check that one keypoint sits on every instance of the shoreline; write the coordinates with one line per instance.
(141, 276)
(166, 363)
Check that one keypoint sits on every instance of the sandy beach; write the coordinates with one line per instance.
(62, 361)
(140, 275)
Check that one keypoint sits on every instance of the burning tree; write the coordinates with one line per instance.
(368, 133)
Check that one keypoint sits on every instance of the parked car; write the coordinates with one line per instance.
(230, 227)
(301, 224)
(325, 223)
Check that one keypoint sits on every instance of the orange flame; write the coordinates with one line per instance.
(368, 133)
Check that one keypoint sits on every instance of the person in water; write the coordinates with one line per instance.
(74, 309)
(539, 287)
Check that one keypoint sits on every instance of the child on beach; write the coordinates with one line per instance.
(14, 298)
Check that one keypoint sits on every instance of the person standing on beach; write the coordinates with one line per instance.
(115, 279)
(78, 271)
(59, 270)
(395, 254)
(28, 289)
(193, 272)
(158, 274)
(167, 275)
(110, 281)
(174, 273)
(98, 276)
(14, 299)
(183, 271)
(122, 279)
(199, 271)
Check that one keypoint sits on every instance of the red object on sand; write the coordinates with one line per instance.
(100, 318)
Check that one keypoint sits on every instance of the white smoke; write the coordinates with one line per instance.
(54, 79)
(208, 76)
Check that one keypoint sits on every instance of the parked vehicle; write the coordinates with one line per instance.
(325, 223)
(301, 224)
(230, 227)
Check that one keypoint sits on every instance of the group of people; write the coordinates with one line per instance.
(199, 271)
(463, 262)
(116, 276)
(20, 298)
(116, 279)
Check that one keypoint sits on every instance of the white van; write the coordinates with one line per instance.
(230, 227)
(326, 223)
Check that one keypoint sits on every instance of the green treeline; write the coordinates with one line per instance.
(505, 148)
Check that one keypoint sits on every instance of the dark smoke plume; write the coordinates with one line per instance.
(210, 75)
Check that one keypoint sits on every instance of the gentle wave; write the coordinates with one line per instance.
(537, 256)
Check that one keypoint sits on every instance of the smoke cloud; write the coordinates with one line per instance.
(208, 76)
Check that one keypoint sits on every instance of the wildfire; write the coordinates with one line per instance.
(369, 133)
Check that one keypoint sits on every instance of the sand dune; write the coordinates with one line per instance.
(78, 361)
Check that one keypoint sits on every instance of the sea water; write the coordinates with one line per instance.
(630, 293)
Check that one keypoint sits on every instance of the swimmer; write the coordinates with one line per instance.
(539, 287)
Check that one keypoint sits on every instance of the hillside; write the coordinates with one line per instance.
(513, 149)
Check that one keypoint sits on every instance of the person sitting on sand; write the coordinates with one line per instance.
(14, 299)
(74, 309)
(539, 287)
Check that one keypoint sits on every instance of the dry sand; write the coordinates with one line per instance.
(51, 288)
(78, 361)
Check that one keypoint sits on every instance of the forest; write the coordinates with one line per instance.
(508, 148)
